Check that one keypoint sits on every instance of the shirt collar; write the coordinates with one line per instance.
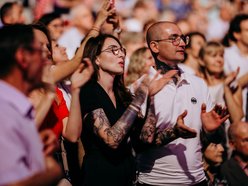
(165, 68)
(16, 98)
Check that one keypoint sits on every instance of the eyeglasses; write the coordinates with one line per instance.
(176, 39)
(115, 50)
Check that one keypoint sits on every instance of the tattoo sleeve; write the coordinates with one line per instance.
(113, 135)
(149, 128)
(166, 136)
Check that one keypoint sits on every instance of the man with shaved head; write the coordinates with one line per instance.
(235, 170)
(176, 158)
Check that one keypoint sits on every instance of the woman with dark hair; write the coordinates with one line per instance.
(54, 24)
(109, 111)
(214, 154)
(191, 63)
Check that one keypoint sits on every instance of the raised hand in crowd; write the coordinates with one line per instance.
(233, 96)
(213, 119)
(72, 129)
(82, 74)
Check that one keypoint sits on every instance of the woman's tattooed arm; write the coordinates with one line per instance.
(113, 135)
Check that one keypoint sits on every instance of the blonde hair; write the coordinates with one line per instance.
(136, 66)
(211, 48)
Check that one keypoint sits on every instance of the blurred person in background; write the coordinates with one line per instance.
(140, 62)
(235, 170)
(143, 11)
(236, 56)
(54, 24)
(24, 159)
(81, 21)
(12, 13)
(213, 149)
(221, 87)
(218, 27)
(191, 64)
(131, 41)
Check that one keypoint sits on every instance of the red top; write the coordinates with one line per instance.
(56, 114)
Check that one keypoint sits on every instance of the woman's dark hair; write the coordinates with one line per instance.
(235, 25)
(6, 9)
(48, 18)
(191, 35)
(218, 137)
(93, 49)
(40, 26)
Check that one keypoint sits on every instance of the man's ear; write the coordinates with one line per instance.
(154, 46)
(232, 145)
(21, 58)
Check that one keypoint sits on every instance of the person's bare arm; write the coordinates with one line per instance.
(149, 129)
(66, 69)
(72, 126)
(113, 135)
(243, 80)
(233, 97)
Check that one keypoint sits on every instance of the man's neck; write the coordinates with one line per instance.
(164, 67)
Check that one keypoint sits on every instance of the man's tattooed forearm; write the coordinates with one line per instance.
(149, 128)
(140, 95)
(164, 137)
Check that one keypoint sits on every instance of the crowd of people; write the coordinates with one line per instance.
(124, 93)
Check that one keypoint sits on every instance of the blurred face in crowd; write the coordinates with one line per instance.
(168, 44)
(213, 59)
(46, 55)
(240, 142)
(59, 53)
(149, 60)
(56, 28)
(196, 43)
(111, 58)
(37, 61)
(214, 153)
(83, 19)
(242, 37)
(42, 39)
(15, 15)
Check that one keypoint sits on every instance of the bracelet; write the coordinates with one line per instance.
(134, 107)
